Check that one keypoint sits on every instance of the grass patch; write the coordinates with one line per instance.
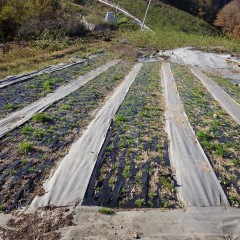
(25, 147)
(41, 117)
(170, 39)
(9, 106)
(106, 211)
(27, 130)
(119, 119)
(174, 28)
(27, 58)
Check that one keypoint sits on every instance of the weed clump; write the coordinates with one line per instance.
(9, 106)
(40, 117)
(140, 202)
(25, 147)
(106, 211)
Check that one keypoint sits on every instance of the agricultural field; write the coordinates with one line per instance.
(29, 152)
(216, 131)
(133, 168)
(227, 85)
(17, 96)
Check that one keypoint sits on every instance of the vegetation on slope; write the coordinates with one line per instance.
(229, 18)
(162, 16)
(206, 9)
(174, 28)
(27, 19)
(49, 31)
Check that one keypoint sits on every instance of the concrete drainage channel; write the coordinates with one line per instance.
(128, 162)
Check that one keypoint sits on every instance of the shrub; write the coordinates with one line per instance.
(28, 19)
(229, 18)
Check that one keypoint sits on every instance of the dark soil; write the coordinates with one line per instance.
(41, 225)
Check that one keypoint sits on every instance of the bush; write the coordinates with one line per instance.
(29, 19)
(229, 18)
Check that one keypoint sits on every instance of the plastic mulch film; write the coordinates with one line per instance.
(197, 183)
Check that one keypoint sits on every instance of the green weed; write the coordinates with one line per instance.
(25, 147)
(41, 117)
(106, 211)
(140, 202)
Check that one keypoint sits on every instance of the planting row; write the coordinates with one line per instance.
(227, 85)
(19, 95)
(133, 168)
(217, 132)
(29, 152)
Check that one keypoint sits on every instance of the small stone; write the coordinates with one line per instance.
(121, 227)
(215, 115)
(135, 236)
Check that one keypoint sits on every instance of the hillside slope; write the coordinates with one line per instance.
(172, 28)
(166, 17)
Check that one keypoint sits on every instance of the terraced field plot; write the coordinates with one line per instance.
(217, 132)
(133, 168)
(17, 96)
(29, 152)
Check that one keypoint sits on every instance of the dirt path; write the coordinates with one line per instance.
(69, 182)
(17, 118)
(226, 102)
(197, 183)
(193, 223)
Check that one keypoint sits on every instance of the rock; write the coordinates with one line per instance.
(124, 41)
(215, 115)
(135, 236)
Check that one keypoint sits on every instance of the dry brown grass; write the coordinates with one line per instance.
(22, 58)
(124, 51)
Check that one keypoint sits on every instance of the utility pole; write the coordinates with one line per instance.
(146, 14)
(116, 14)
